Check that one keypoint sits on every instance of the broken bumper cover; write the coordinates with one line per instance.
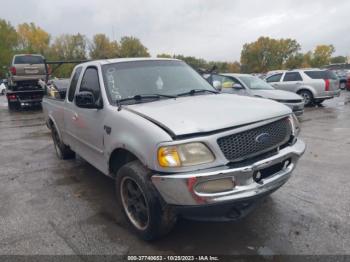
(180, 189)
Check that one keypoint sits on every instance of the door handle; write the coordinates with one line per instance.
(75, 117)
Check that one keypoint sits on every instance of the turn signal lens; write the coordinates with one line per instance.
(189, 154)
(295, 125)
(168, 157)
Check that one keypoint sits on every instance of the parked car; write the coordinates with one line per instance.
(175, 146)
(3, 86)
(248, 85)
(25, 72)
(342, 75)
(314, 85)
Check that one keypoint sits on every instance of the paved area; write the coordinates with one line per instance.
(49, 206)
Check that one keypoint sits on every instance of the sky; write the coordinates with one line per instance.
(209, 29)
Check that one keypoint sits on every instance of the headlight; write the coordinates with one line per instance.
(295, 125)
(184, 155)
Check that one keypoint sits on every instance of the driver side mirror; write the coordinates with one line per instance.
(217, 85)
(86, 99)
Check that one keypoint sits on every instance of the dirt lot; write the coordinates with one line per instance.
(49, 206)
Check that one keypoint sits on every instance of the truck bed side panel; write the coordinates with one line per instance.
(54, 111)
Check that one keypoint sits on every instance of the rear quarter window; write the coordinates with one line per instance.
(73, 84)
(321, 74)
(29, 60)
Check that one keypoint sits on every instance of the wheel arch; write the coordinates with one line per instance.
(118, 158)
(51, 123)
(307, 88)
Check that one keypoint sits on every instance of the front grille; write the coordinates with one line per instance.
(255, 141)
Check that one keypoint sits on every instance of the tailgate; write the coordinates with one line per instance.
(29, 70)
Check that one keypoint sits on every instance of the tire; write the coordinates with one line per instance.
(12, 106)
(62, 151)
(319, 102)
(307, 96)
(141, 204)
(342, 85)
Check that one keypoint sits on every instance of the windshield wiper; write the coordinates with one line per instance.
(141, 97)
(146, 96)
(194, 91)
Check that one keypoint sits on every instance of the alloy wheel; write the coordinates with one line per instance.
(134, 203)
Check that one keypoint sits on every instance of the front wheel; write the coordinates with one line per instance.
(342, 85)
(307, 96)
(140, 202)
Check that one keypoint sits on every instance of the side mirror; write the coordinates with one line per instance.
(86, 99)
(237, 86)
(217, 85)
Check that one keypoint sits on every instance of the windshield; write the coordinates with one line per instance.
(253, 82)
(163, 77)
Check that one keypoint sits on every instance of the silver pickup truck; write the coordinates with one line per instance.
(175, 146)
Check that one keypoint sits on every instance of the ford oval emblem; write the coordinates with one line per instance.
(263, 138)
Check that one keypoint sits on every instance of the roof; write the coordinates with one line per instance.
(234, 74)
(131, 59)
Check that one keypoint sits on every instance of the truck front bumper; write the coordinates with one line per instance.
(182, 189)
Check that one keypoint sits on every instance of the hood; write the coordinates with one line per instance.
(276, 94)
(205, 113)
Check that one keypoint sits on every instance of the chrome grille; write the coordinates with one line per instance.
(255, 141)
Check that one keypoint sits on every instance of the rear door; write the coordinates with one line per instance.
(291, 81)
(70, 110)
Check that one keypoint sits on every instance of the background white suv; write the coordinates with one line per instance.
(314, 85)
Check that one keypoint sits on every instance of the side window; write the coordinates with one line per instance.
(274, 78)
(73, 84)
(293, 76)
(228, 82)
(91, 83)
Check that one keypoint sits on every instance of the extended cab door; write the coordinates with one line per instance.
(89, 122)
(70, 110)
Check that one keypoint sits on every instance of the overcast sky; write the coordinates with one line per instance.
(213, 30)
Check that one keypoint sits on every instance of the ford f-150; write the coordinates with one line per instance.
(175, 146)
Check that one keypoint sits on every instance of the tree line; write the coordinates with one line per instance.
(262, 55)
(29, 38)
